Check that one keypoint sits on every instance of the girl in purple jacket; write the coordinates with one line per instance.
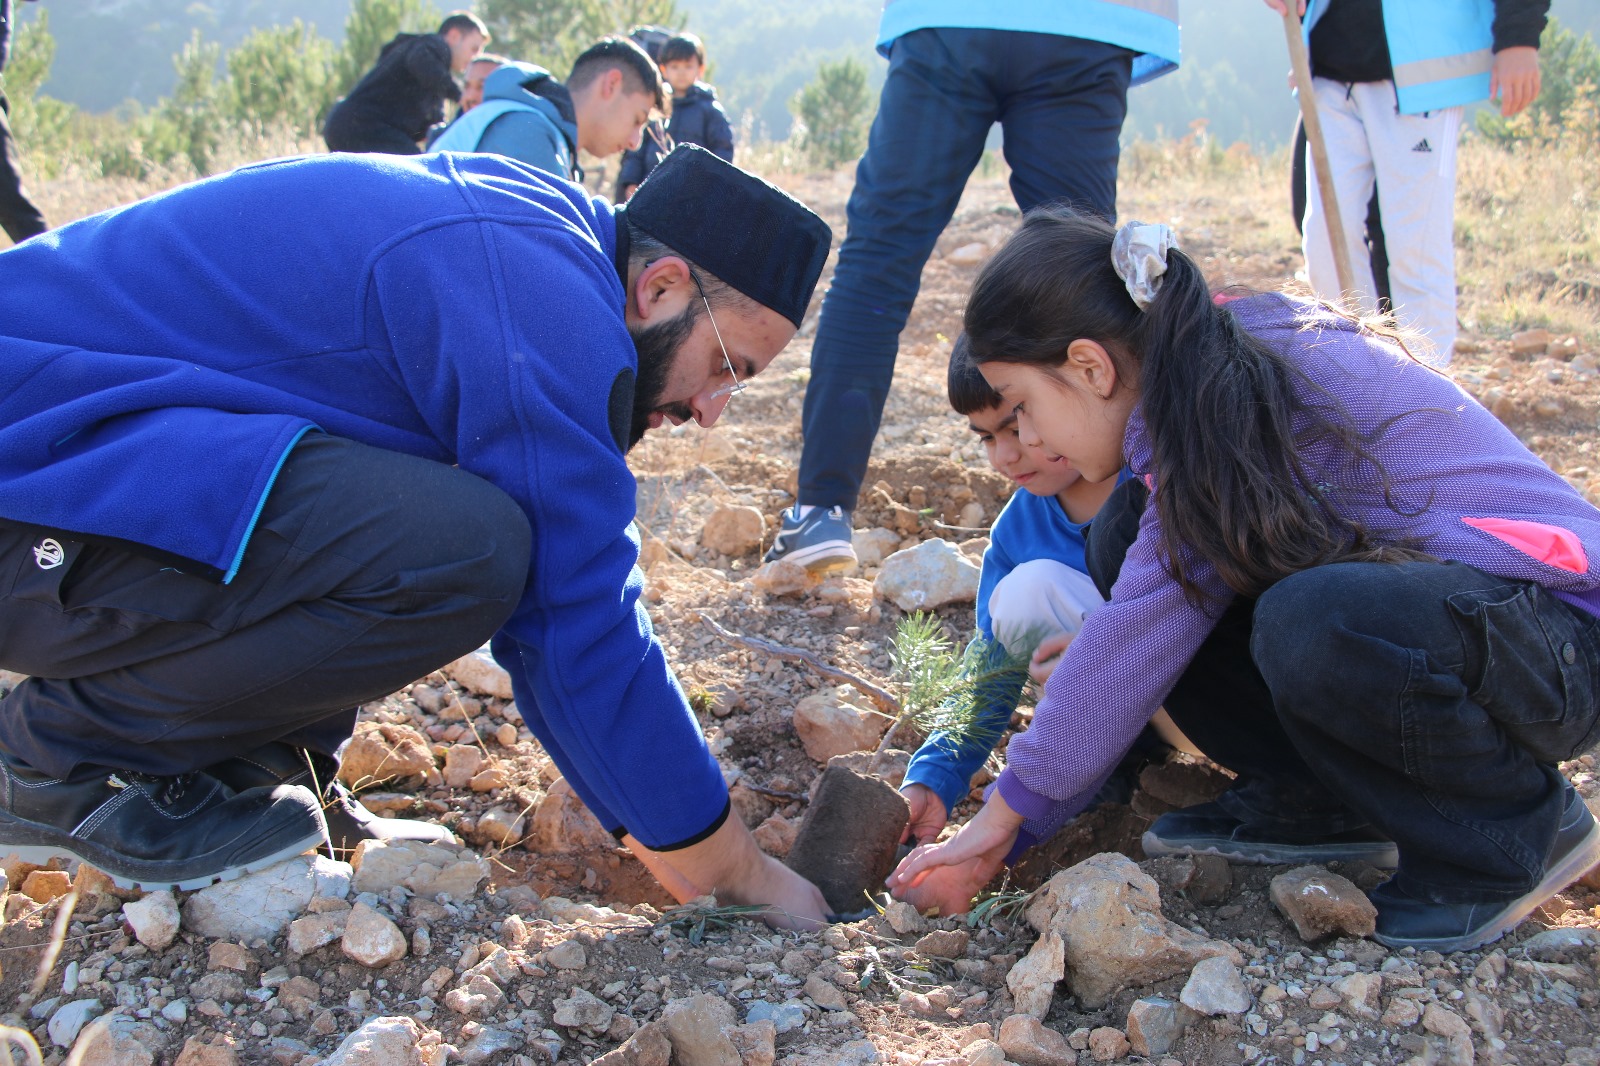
(1345, 580)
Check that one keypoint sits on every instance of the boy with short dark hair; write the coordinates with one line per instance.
(1034, 583)
(697, 116)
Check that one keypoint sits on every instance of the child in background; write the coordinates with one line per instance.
(697, 117)
(1350, 585)
(1034, 583)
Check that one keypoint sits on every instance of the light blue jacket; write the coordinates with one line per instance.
(1148, 27)
(1441, 50)
(526, 115)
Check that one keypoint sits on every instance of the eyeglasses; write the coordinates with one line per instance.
(734, 385)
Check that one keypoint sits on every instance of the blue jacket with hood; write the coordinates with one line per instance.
(158, 361)
(525, 114)
(697, 118)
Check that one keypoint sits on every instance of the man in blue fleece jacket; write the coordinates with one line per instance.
(258, 466)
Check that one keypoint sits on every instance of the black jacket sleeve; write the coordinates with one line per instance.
(1519, 23)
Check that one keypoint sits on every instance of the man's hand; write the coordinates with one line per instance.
(729, 865)
(1047, 656)
(928, 814)
(948, 875)
(1514, 78)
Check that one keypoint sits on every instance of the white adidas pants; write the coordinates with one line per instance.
(1413, 160)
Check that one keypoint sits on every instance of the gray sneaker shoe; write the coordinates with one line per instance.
(820, 541)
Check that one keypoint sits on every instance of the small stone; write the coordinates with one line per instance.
(229, 956)
(1548, 408)
(786, 1016)
(873, 546)
(1530, 342)
(422, 868)
(502, 826)
(1156, 1024)
(1359, 994)
(42, 886)
(563, 825)
(834, 722)
(756, 1043)
(983, 1052)
(1320, 903)
(461, 763)
(489, 778)
(824, 993)
(567, 955)
(488, 1045)
(944, 943)
(968, 254)
(781, 578)
(734, 530)
(648, 1046)
(196, 1052)
(583, 1010)
(176, 1011)
(384, 751)
(1107, 1044)
(70, 1018)
(903, 918)
(116, 1040)
(506, 735)
(697, 1027)
(478, 672)
(385, 1042)
(477, 995)
(371, 939)
(1028, 1041)
(154, 919)
(1215, 986)
(313, 931)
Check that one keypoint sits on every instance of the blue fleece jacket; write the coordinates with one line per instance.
(1029, 527)
(525, 114)
(157, 362)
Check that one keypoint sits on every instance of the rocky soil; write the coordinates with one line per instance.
(540, 941)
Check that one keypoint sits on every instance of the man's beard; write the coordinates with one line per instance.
(658, 350)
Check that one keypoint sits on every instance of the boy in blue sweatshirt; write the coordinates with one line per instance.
(1034, 583)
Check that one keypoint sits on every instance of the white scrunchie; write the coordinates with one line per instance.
(1139, 254)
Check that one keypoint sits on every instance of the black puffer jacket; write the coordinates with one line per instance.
(405, 92)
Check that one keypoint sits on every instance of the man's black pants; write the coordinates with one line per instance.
(367, 570)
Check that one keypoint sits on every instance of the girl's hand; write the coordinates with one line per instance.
(948, 875)
(928, 814)
(1047, 655)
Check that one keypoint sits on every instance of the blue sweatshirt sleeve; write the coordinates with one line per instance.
(946, 762)
(517, 369)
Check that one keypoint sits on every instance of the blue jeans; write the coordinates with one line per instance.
(1060, 101)
(1431, 700)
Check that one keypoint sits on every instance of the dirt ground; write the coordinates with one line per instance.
(926, 462)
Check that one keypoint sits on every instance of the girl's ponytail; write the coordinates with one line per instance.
(1218, 403)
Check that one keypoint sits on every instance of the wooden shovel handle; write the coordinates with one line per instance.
(1319, 149)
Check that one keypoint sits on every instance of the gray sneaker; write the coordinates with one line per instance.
(820, 541)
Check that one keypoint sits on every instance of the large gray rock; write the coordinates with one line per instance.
(261, 905)
(1106, 914)
(930, 575)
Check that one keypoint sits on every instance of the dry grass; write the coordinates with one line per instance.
(1527, 219)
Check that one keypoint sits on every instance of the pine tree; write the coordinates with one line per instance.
(832, 110)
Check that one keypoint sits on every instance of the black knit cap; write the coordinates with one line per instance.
(749, 233)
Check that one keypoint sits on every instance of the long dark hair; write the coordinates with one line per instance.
(1230, 484)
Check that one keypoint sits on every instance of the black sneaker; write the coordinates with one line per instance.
(820, 541)
(349, 823)
(155, 832)
(1404, 921)
(1207, 829)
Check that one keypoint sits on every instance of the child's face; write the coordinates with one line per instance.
(1064, 418)
(996, 427)
(681, 74)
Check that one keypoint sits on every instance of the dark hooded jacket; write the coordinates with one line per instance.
(697, 118)
(398, 99)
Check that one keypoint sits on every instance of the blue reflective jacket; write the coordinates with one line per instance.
(1148, 27)
(1441, 50)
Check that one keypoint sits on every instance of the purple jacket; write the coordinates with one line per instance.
(1478, 495)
